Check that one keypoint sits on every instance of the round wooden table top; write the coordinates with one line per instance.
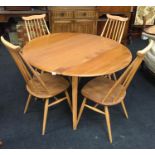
(77, 54)
(150, 30)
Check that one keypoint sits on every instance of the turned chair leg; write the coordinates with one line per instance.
(124, 109)
(81, 109)
(45, 116)
(107, 116)
(68, 99)
(27, 103)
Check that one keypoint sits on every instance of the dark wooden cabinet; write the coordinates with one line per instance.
(73, 19)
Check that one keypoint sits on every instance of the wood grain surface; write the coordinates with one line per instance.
(77, 54)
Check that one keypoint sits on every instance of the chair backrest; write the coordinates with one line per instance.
(25, 68)
(128, 74)
(114, 27)
(36, 26)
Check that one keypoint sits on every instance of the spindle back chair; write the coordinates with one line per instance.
(36, 26)
(23, 65)
(107, 92)
(42, 86)
(114, 27)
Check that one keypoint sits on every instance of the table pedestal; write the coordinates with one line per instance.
(74, 100)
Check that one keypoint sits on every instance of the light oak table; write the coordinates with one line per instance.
(76, 55)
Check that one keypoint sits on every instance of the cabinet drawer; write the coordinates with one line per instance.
(62, 14)
(85, 14)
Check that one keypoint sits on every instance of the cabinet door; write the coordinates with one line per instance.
(62, 26)
(85, 26)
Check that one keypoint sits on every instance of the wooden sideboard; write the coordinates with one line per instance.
(85, 19)
(73, 19)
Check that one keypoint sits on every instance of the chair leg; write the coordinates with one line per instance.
(107, 116)
(68, 99)
(109, 76)
(114, 76)
(124, 109)
(45, 116)
(81, 110)
(27, 103)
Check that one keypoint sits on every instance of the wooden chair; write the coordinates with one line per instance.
(114, 29)
(42, 86)
(106, 92)
(36, 26)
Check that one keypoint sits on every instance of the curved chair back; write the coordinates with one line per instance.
(36, 26)
(129, 73)
(114, 27)
(25, 68)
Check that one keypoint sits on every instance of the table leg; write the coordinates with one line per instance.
(74, 100)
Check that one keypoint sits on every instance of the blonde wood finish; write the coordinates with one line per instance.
(81, 109)
(74, 100)
(45, 116)
(102, 85)
(42, 85)
(76, 55)
(94, 109)
(124, 109)
(107, 92)
(68, 99)
(27, 103)
(36, 26)
(124, 11)
(114, 27)
(107, 116)
(54, 84)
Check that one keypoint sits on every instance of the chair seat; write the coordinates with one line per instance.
(98, 88)
(55, 85)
